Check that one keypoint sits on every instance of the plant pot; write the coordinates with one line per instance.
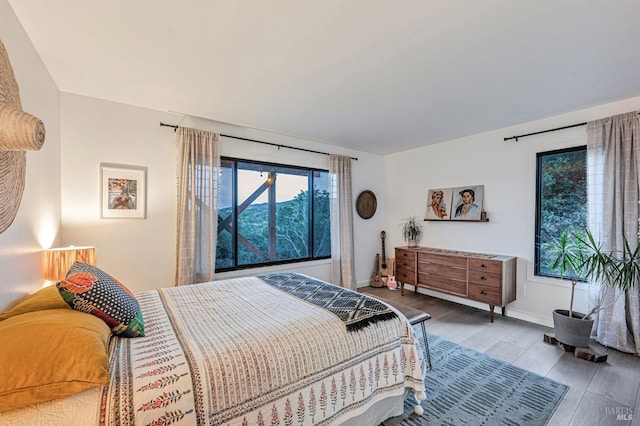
(412, 243)
(572, 331)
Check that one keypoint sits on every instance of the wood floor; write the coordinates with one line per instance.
(600, 394)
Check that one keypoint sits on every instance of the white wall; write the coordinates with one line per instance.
(141, 253)
(507, 171)
(37, 223)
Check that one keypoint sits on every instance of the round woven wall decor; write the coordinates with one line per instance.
(19, 132)
(13, 168)
(366, 204)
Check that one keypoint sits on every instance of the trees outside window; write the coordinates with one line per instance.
(561, 201)
(267, 215)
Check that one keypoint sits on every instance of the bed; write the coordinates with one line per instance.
(280, 348)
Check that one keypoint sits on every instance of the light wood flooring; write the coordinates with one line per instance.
(598, 393)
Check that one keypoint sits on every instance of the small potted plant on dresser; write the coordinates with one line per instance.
(411, 231)
(578, 254)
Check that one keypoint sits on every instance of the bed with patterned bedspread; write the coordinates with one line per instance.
(274, 349)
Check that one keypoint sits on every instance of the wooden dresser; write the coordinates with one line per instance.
(486, 278)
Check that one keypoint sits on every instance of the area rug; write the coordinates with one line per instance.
(466, 387)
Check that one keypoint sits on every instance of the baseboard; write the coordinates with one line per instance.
(510, 312)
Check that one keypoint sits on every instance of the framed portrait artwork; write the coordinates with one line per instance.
(439, 204)
(461, 203)
(467, 202)
(123, 191)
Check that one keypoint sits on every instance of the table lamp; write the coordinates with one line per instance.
(57, 261)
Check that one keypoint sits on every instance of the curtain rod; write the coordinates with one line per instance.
(263, 142)
(547, 131)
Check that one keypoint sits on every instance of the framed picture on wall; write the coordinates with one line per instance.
(439, 204)
(123, 191)
(467, 202)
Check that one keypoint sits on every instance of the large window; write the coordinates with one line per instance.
(561, 200)
(270, 214)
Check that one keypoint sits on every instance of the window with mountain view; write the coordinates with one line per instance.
(271, 214)
(561, 200)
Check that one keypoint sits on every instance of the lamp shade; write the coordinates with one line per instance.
(57, 261)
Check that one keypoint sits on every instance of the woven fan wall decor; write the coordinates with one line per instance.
(19, 132)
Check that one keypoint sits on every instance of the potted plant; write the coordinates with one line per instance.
(578, 254)
(411, 231)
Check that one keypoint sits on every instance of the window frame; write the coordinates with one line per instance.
(311, 226)
(538, 212)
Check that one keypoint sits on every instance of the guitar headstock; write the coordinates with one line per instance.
(383, 235)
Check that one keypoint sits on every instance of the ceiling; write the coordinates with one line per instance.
(371, 75)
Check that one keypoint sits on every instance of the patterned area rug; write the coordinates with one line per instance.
(467, 387)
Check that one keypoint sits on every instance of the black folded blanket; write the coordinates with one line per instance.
(356, 310)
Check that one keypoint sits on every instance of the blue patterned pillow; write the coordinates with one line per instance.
(91, 290)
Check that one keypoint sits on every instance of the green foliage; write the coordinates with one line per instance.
(568, 254)
(224, 249)
(579, 254)
(411, 229)
(562, 202)
(292, 228)
(321, 224)
(628, 267)
(291, 232)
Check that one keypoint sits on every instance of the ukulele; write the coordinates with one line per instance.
(392, 284)
(384, 264)
(376, 278)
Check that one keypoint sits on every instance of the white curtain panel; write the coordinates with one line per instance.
(198, 197)
(342, 267)
(613, 153)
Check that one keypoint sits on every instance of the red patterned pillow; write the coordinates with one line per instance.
(89, 289)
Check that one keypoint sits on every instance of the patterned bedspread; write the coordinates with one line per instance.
(243, 352)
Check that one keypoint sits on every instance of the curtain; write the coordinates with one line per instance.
(198, 172)
(613, 152)
(342, 267)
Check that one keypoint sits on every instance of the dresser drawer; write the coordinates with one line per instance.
(406, 277)
(435, 282)
(485, 293)
(493, 266)
(440, 271)
(405, 257)
(455, 261)
(485, 278)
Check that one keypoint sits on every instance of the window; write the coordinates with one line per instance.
(267, 217)
(561, 200)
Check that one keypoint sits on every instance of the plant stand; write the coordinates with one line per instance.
(592, 353)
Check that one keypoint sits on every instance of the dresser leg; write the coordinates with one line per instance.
(491, 308)
(503, 310)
